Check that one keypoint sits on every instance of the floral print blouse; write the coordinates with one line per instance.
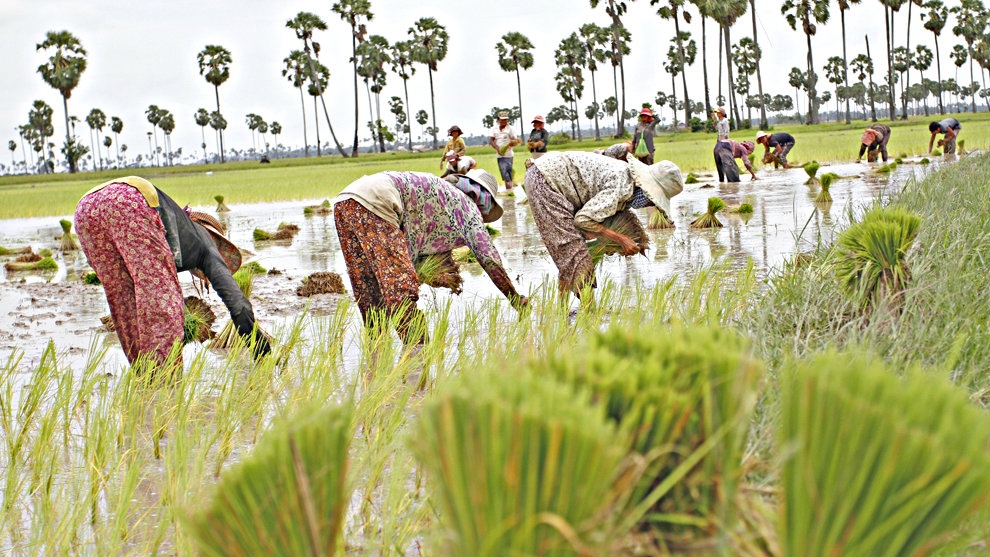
(597, 186)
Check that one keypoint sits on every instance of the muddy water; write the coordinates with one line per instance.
(38, 308)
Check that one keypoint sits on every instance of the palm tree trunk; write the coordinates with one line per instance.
(889, 22)
(622, 79)
(302, 104)
(68, 136)
(433, 107)
(680, 56)
(378, 118)
(845, 62)
(522, 118)
(704, 65)
(202, 133)
(371, 117)
(812, 93)
(732, 86)
(759, 76)
(116, 141)
(869, 92)
(721, 41)
(619, 114)
(594, 99)
(972, 98)
(216, 91)
(938, 66)
(907, 75)
(91, 146)
(405, 89)
(354, 149)
(316, 119)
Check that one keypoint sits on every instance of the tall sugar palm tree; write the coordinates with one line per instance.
(889, 8)
(276, 130)
(921, 61)
(317, 85)
(594, 39)
(304, 24)
(62, 71)
(670, 10)
(615, 9)
(844, 6)
(429, 40)
(514, 55)
(969, 26)
(764, 125)
(810, 13)
(214, 64)
(726, 13)
(167, 124)
(297, 72)
(374, 56)
(835, 72)
(116, 126)
(862, 64)
(935, 19)
(96, 120)
(40, 122)
(218, 123)
(702, 6)
(154, 116)
(402, 65)
(570, 57)
(202, 118)
(353, 12)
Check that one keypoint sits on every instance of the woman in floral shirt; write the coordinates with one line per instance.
(388, 220)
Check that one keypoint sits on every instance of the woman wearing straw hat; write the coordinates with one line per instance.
(646, 130)
(572, 193)
(137, 239)
(721, 120)
(454, 150)
(388, 220)
(776, 147)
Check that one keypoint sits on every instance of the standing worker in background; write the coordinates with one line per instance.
(646, 130)
(721, 124)
(950, 128)
(874, 142)
(502, 139)
(538, 138)
(137, 239)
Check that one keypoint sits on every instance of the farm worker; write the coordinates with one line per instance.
(874, 142)
(781, 143)
(721, 124)
(572, 192)
(502, 139)
(617, 151)
(388, 220)
(646, 130)
(538, 138)
(950, 128)
(726, 153)
(137, 239)
(454, 149)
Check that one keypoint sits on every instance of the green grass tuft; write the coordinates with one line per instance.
(91, 278)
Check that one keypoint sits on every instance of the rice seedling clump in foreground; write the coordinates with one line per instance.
(709, 220)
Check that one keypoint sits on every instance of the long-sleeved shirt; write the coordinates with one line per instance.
(740, 152)
(722, 129)
(597, 187)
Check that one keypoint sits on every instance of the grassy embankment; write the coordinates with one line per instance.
(322, 178)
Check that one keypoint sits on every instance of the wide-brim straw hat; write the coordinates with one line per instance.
(230, 253)
(721, 110)
(503, 115)
(485, 179)
(454, 129)
(659, 181)
(761, 134)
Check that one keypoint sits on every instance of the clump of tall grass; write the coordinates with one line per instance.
(961, 147)
(68, 241)
(925, 160)
(221, 206)
(709, 220)
(322, 210)
(937, 152)
(811, 169)
(876, 465)
(744, 209)
(289, 497)
(872, 255)
(492, 231)
(682, 395)
(519, 464)
(285, 231)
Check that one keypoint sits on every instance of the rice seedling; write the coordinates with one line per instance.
(625, 223)
(45, 252)
(811, 169)
(744, 208)
(898, 161)
(439, 271)
(68, 240)
(682, 395)
(198, 319)
(32, 262)
(925, 160)
(691, 178)
(322, 210)
(253, 268)
(709, 220)
(825, 196)
(90, 278)
(15, 251)
(534, 451)
(492, 231)
(324, 282)
(937, 152)
(872, 254)
(658, 220)
(899, 479)
(221, 206)
(463, 254)
(289, 497)
(285, 231)
(884, 169)
(961, 147)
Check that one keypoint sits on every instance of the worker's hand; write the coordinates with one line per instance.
(629, 247)
(519, 302)
(941, 142)
(260, 344)
(754, 178)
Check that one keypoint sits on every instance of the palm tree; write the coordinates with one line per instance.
(253, 122)
(402, 65)
(594, 38)
(107, 142)
(809, 13)
(835, 72)
(202, 118)
(862, 64)
(96, 120)
(906, 86)
(62, 72)
(353, 11)
(40, 122)
(514, 55)
(889, 8)
(935, 21)
(570, 85)
(702, 6)
(429, 40)
(921, 61)
(317, 85)
(746, 56)
(615, 9)
(969, 26)
(116, 126)
(375, 54)
(570, 57)
(214, 64)
(218, 123)
(843, 6)
(726, 12)
(154, 115)
(670, 9)
(12, 145)
(902, 65)
(304, 24)
(297, 72)
(764, 125)
(276, 130)
(167, 124)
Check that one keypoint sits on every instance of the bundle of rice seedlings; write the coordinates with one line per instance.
(89, 277)
(898, 479)
(961, 146)
(198, 319)
(323, 282)
(898, 160)
(682, 396)
(744, 209)
(253, 268)
(824, 196)
(691, 178)
(45, 252)
(925, 160)
(244, 278)
(872, 255)
(937, 152)
(221, 206)
(32, 262)
(709, 220)
(463, 254)
(519, 464)
(439, 271)
(284, 231)
(289, 496)
(811, 168)
(659, 220)
(625, 223)
(885, 169)
(323, 209)
(492, 231)
(69, 242)
(15, 251)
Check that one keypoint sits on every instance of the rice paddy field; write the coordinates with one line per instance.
(807, 379)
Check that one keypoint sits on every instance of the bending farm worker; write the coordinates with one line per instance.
(949, 128)
(726, 153)
(137, 239)
(874, 142)
(572, 193)
(388, 220)
(503, 139)
(776, 147)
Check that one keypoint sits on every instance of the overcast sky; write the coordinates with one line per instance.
(143, 53)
